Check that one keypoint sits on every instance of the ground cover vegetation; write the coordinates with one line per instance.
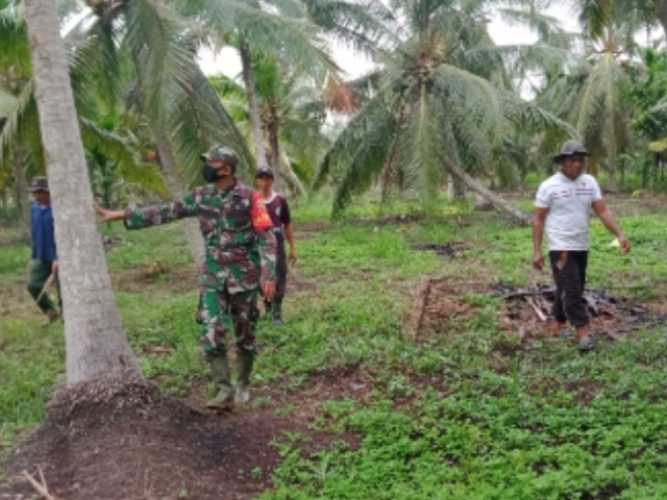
(469, 411)
(413, 363)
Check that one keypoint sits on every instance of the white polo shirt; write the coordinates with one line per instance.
(569, 203)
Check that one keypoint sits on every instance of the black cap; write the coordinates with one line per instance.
(570, 149)
(39, 184)
(264, 172)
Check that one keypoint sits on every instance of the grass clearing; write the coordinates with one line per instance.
(467, 413)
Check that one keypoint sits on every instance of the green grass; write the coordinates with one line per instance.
(480, 418)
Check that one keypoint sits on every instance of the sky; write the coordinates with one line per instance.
(355, 64)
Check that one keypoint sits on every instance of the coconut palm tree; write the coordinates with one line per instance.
(277, 27)
(143, 49)
(595, 14)
(292, 111)
(440, 101)
(20, 139)
(589, 92)
(18, 114)
(95, 341)
(289, 31)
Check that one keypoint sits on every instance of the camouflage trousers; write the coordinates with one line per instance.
(217, 309)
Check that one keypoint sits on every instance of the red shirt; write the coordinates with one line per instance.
(278, 210)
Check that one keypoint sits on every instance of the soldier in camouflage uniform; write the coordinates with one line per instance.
(240, 253)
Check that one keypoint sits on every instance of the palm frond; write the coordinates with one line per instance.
(422, 146)
(469, 95)
(199, 121)
(95, 66)
(351, 139)
(161, 56)
(130, 167)
(366, 162)
(528, 114)
(16, 111)
(289, 39)
(522, 58)
(363, 25)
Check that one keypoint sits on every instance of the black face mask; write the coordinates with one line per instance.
(209, 173)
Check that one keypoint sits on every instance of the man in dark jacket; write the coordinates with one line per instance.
(278, 209)
(44, 260)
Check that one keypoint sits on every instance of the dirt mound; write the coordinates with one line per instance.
(120, 439)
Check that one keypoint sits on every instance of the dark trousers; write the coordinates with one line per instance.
(281, 268)
(569, 270)
(38, 273)
(275, 306)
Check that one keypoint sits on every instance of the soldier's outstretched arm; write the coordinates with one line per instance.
(138, 218)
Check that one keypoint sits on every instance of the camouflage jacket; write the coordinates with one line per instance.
(240, 248)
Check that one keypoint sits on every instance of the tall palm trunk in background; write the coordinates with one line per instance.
(279, 161)
(166, 160)
(456, 188)
(95, 342)
(253, 105)
(496, 201)
(177, 188)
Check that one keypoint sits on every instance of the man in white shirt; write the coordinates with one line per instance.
(563, 207)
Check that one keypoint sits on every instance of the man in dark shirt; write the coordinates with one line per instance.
(279, 212)
(44, 261)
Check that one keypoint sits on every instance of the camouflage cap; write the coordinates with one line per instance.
(39, 184)
(264, 172)
(569, 149)
(224, 153)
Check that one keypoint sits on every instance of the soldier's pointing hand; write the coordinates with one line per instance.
(109, 215)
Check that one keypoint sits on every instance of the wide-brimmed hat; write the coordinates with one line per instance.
(39, 184)
(223, 153)
(570, 149)
(264, 172)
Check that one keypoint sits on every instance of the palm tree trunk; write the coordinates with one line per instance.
(456, 189)
(167, 163)
(177, 188)
(279, 162)
(496, 201)
(253, 105)
(290, 176)
(95, 342)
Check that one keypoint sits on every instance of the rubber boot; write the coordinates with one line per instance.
(244, 361)
(219, 366)
(267, 309)
(277, 312)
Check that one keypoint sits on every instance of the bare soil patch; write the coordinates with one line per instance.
(527, 310)
(167, 277)
(127, 441)
(438, 303)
